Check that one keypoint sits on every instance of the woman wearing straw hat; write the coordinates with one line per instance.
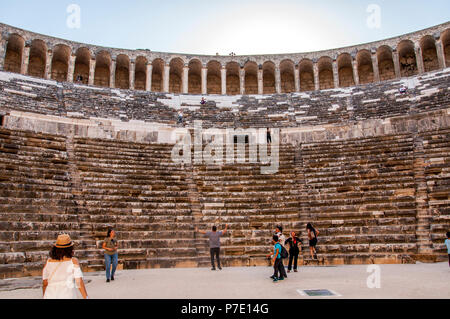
(62, 276)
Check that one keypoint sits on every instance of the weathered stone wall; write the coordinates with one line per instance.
(361, 185)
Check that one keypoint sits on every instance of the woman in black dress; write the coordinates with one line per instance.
(312, 236)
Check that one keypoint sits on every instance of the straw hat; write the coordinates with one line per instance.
(63, 241)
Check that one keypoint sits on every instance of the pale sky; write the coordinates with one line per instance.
(212, 26)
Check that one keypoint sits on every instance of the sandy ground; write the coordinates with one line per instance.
(397, 281)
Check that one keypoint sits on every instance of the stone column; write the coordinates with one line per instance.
(25, 60)
(335, 74)
(132, 74)
(148, 81)
(204, 80)
(48, 65)
(277, 80)
(440, 54)
(396, 64)
(112, 74)
(355, 71)
(419, 58)
(71, 68)
(166, 78)
(92, 65)
(376, 70)
(224, 80)
(260, 81)
(316, 76)
(297, 78)
(242, 80)
(3, 47)
(185, 79)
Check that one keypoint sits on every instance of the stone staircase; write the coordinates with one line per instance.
(250, 203)
(436, 145)
(361, 197)
(377, 199)
(426, 92)
(137, 190)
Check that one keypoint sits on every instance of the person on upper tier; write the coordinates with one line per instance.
(180, 117)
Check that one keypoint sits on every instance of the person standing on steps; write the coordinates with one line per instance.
(110, 245)
(312, 236)
(294, 250)
(214, 244)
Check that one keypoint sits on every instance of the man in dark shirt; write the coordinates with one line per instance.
(214, 244)
(294, 250)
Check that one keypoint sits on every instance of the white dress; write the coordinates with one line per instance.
(62, 284)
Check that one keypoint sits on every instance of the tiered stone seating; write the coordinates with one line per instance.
(361, 198)
(377, 100)
(437, 159)
(35, 200)
(139, 191)
(251, 204)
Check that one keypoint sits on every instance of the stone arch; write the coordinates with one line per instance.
(82, 63)
(326, 80)
(287, 76)
(195, 77)
(429, 53)
(122, 79)
(365, 67)
(157, 75)
(102, 69)
(269, 78)
(175, 75)
(233, 78)
(386, 66)
(345, 70)
(445, 38)
(14, 54)
(306, 70)
(38, 58)
(407, 58)
(60, 62)
(140, 73)
(214, 82)
(251, 78)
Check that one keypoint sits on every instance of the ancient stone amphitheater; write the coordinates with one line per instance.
(86, 135)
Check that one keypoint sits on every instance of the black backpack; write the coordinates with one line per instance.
(284, 254)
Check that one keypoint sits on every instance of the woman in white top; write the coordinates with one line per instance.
(62, 276)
